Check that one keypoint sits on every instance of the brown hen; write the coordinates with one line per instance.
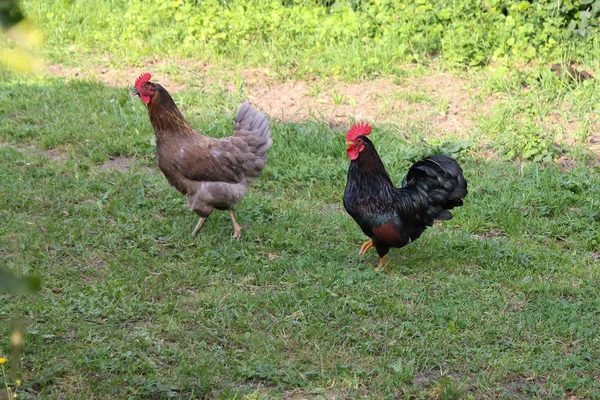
(211, 173)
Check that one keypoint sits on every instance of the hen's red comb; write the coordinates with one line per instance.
(358, 129)
(141, 80)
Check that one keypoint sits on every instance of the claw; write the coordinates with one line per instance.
(366, 246)
(381, 266)
(198, 226)
(237, 229)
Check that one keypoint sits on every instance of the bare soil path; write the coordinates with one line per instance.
(445, 102)
(440, 103)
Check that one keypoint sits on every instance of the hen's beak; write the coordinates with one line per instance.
(135, 92)
(349, 143)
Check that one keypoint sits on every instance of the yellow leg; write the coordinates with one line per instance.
(366, 246)
(237, 229)
(381, 265)
(198, 225)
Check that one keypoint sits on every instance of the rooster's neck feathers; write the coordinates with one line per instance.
(165, 116)
(368, 171)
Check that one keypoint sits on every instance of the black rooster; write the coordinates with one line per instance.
(391, 216)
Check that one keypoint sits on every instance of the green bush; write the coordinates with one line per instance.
(353, 37)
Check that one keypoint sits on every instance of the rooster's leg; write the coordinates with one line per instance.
(199, 225)
(366, 246)
(381, 265)
(237, 229)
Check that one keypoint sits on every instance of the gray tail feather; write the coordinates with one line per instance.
(256, 123)
(252, 127)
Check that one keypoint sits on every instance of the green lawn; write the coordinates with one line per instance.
(500, 301)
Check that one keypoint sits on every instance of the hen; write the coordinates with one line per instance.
(390, 216)
(211, 173)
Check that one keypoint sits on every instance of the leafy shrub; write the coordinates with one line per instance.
(349, 37)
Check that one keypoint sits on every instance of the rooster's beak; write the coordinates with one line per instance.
(349, 143)
(135, 92)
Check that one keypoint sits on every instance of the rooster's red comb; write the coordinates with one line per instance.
(142, 79)
(358, 129)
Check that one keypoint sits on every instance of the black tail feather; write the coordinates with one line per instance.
(439, 179)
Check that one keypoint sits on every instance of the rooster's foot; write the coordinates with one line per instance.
(366, 246)
(381, 266)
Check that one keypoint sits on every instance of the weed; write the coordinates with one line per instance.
(11, 392)
(338, 99)
(315, 90)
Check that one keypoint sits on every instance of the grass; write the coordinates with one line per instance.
(501, 301)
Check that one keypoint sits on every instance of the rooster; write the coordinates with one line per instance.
(391, 216)
(211, 173)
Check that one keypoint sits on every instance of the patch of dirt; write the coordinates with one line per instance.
(124, 77)
(525, 386)
(427, 378)
(566, 164)
(119, 163)
(19, 147)
(440, 104)
(568, 128)
(332, 208)
(494, 233)
(594, 142)
(442, 101)
(17, 116)
(328, 394)
(54, 154)
(57, 155)
(596, 256)
(516, 306)
(417, 100)
(89, 271)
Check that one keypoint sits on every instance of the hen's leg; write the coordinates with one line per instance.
(199, 225)
(381, 265)
(237, 229)
(366, 246)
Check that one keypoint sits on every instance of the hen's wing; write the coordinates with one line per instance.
(231, 159)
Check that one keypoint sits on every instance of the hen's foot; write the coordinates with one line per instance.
(381, 265)
(198, 226)
(237, 233)
(366, 246)
(237, 229)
